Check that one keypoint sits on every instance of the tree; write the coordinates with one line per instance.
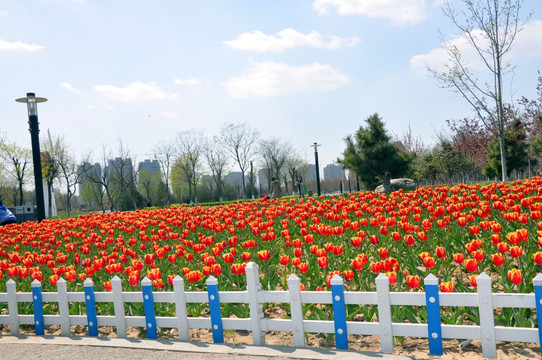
(490, 28)
(274, 152)
(190, 146)
(446, 160)
(238, 140)
(164, 152)
(53, 147)
(294, 167)
(372, 156)
(70, 176)
(516, 151)
(16, 160)
(217, 161)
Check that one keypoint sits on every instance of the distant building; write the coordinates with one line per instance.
(333, 172)
(120, 166)
(88, 171)
(310, 174)
(152, 166)
(234, 178)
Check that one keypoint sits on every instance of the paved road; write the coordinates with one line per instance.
(85, 348)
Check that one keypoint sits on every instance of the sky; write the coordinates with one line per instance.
(139, 72)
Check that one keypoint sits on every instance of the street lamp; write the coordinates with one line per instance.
(31, 101)
(317, 169)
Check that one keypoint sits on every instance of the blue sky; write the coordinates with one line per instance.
(303, 70)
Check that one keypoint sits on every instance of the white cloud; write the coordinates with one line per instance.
(3, 12)
(269, 79)
(136, 91)
(529, 41)
(70, 88)
(19, 46)
(168, 114)
(528, 44)
(398, 11)
(109, 107)
(288, 39)
(192, 81)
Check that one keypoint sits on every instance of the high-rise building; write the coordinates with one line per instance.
(333, 172)
(310, 174)
(152, 166)
(234, 178)
(88, 171)
(119, 166)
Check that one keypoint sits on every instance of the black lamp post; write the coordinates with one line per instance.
(31, 100)
(317, 169)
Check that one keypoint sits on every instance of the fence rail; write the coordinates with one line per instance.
(255, 297)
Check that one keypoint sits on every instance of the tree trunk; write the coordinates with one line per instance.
(386, 181)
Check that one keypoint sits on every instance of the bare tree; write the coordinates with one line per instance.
(16, 160)
(490, 27)
(70, 176)
(294, 166)
(164, 152)
(53, 147)
(239, 139)
(275, 152)
(217, 161)
(190, 147)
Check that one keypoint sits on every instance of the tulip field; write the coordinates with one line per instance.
(455, 232)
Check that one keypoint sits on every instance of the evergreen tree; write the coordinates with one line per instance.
(372, 156)
(516, 151)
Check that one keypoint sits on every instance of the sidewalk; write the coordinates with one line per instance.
(74, 348)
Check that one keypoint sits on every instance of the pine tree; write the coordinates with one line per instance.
(372, 156)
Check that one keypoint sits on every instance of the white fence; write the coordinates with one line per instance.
(431, 299)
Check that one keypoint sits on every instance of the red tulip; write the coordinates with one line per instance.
(409, 240)
(447, 286)
(497, 259)
(263, 255)
(392, 276)
(107, 286)
(284, 260)
(322, 262)
(412, 281)
(537, 257)
(303, 267)
(440, 252)
(471, 265)
(516, 251)
(459, 258)
(473, 280)
(348, 274)
(357, 264)
(515, 276)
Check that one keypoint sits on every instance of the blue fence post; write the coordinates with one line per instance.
(214, 308)
(339, 312)
(148, 306)
(537, 282)
(432, 305)
(90, 301)
(38, 307)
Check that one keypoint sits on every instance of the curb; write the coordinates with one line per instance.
(200, 347)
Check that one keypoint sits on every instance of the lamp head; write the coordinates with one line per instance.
(31, 100)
